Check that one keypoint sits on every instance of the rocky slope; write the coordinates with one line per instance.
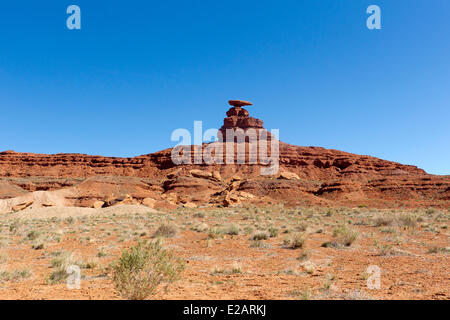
(307, 176)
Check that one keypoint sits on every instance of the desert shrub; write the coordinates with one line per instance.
(407, 220)
(309, 267)
(232, 229)
(166, 230)
(14, 275)
(236, 269)
(303, 294)
(260, 235)
(383, 220)
(295, 241)
(199, 215)
(258, 244)
(304, 255)
(142, 268)
(273, 232)
(436, 249)
(102, 253)
(384, 249)
(200, 227)
(69, 220)
(302, 226)
(330, 244)
(57, 276)
(32, 235)
(248, 230)
(14, 226)
(215, 233)
(39, 245)
(344, 235)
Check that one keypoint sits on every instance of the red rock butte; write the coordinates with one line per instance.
(308, 176)
(238, 118)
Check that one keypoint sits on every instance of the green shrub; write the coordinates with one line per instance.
(142, 268)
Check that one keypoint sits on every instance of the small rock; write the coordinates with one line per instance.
(189, 205)
(246, 195)
(149, 202)
(98, 204)
(171, 198)
(216, 175)
(128, 200)
(201, 174)
(288, 176)
(236, 178)
(48, 204)
(231, 200)
(22, 206)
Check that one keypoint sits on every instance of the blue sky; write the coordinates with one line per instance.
(137, 70)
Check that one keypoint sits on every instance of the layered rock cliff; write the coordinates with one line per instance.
(320, 176)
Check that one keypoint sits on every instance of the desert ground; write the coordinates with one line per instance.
(318, 228)
(246, 252)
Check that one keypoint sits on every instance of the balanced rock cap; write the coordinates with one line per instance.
(239, 103)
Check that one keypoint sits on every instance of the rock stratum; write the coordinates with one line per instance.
(307, 176)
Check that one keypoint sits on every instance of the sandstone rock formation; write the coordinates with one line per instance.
(201, 174)
(149, 202)
(307, 176)
(239, 103)
(239, 121)
(98, 204)
(288, 176)
(22, 206)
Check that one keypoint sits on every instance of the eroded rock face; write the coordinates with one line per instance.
(238, 121)
(288, 176)
(327, 177)
(10, 190)
(309, 176)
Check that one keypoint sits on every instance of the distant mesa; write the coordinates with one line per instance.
(239, 103)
